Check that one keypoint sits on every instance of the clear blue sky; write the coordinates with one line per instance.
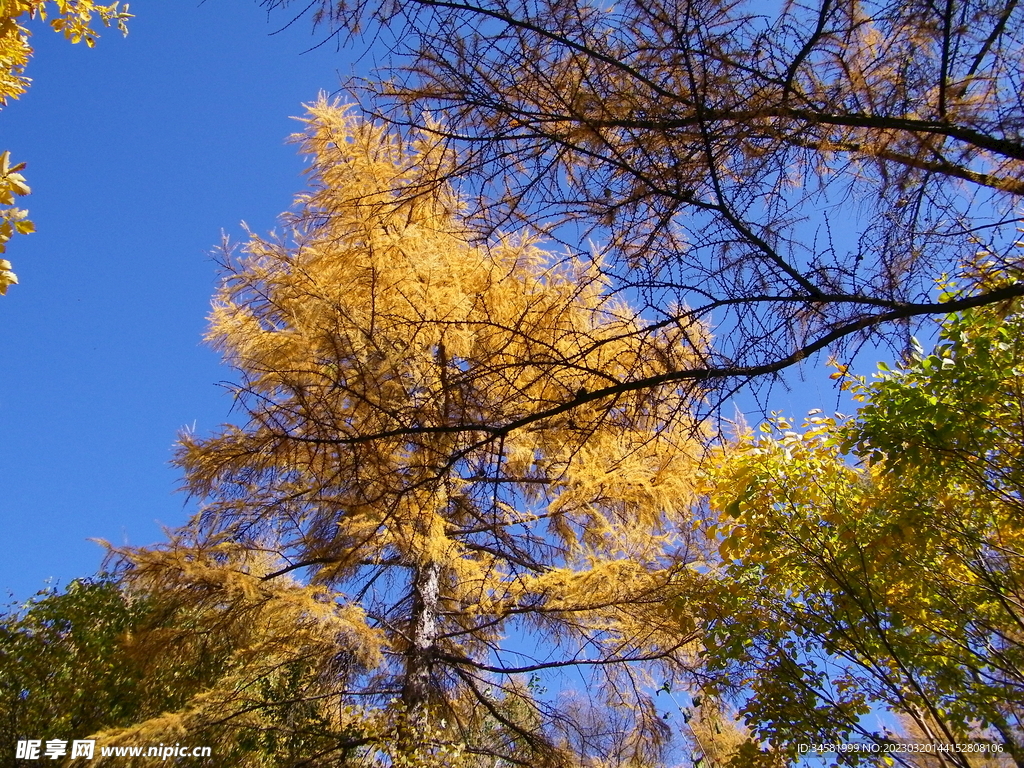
(140, 153)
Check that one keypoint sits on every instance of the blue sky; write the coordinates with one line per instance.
(140, 153)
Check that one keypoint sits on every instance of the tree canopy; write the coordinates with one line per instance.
(60, 670)
(794, 174)
(472, 513)
(896, 583)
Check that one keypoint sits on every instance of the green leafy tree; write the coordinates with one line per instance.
(897, 583)
(98, 657)
(63, 670)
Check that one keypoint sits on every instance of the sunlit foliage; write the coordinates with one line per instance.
(63, 670)
(796, 173)
(897, 583)
(450, 575)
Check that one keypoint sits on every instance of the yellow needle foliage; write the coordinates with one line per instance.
(422, 452)
(72, 18)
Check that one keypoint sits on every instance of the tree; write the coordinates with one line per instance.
(63, 669)
(459, 585)
(73, 18)
(796, 173)
(898, 583)
(235, 665)
(99, 657)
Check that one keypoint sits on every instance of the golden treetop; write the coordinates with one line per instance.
(422, 443)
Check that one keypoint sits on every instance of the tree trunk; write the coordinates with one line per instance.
(416, 690)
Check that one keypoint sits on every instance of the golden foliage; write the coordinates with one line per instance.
(422, 447)
(797, 171)
(894, 583)
(247, 642)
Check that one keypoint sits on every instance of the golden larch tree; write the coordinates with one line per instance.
(409, 478)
